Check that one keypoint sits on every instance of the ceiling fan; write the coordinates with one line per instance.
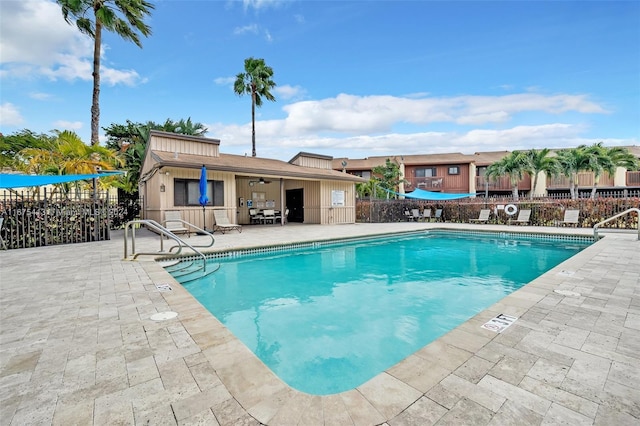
(260, 181)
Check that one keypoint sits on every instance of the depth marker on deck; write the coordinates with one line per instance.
(499, 323)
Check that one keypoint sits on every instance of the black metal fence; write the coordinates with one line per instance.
(46, 218)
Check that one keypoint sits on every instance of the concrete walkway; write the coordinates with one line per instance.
(78, 347)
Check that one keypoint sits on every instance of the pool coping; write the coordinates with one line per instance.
(269, 400)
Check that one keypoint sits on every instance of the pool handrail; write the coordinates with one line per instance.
(163, 232)
(597, 225)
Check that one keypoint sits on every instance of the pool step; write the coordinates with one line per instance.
(202, 275)
(177, 267)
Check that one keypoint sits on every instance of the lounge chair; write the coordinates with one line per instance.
(173, 222)
(483, 217)
(426, 214)
(407, 215)
(222, 222)
(570, 218)
(523, 216)
(415, 214)
(438, 215)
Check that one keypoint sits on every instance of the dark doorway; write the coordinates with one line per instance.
(295, 204)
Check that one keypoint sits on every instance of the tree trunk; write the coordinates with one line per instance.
(95, 101)
(253, 120)
(535, 184)
(515, 192)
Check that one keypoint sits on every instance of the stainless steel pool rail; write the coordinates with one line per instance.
(597, 225)
(163, 232)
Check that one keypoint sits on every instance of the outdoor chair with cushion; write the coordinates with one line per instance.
(255, 216)
(570, 218)
(222, 222)
(524, 216)
(483, 217)
(173, 222)
(269, 215)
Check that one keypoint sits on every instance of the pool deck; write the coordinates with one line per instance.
(78, 347)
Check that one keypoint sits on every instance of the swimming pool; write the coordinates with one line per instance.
(329, 316)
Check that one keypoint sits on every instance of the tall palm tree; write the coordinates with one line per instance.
(514, 166)
(256, 81)
(571, 161)
(91, 17)
(539, 161)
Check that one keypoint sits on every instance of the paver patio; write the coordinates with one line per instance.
(77, 346)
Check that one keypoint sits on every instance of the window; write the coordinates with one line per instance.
(454, 170)
(187, 192)
(426, 172)
(362, 174)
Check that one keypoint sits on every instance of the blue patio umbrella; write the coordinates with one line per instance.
(203, 200)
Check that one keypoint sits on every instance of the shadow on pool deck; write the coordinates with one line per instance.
(78, 346)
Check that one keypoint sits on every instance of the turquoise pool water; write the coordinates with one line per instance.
(327, 319)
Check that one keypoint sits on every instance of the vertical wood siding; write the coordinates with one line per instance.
(204, 148)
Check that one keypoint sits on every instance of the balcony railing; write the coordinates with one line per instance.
(428, 183)
(585, 180)
(501, 184)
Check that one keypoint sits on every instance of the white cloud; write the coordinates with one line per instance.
(287, 92)
(68, 125)
(36, 41)
(261, 4)
(40, 96)
(224, 81)
(10, 115)
(366, 125)
(367, 114)
(253, 28)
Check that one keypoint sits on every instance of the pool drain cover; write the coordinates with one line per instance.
(163, 316)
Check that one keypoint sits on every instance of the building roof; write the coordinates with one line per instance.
(250, 166)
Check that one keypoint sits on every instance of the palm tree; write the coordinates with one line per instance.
(539, 161)
(256, 81)
(570, 162)
(92, 16)
(182, 127)
(70, 155)
(607, 160)
(514, 166)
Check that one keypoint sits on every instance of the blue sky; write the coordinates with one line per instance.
(353, 79)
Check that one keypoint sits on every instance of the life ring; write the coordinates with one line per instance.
(510, 209)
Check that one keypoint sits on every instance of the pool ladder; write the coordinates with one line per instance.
(164, 232)
(597, 225)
